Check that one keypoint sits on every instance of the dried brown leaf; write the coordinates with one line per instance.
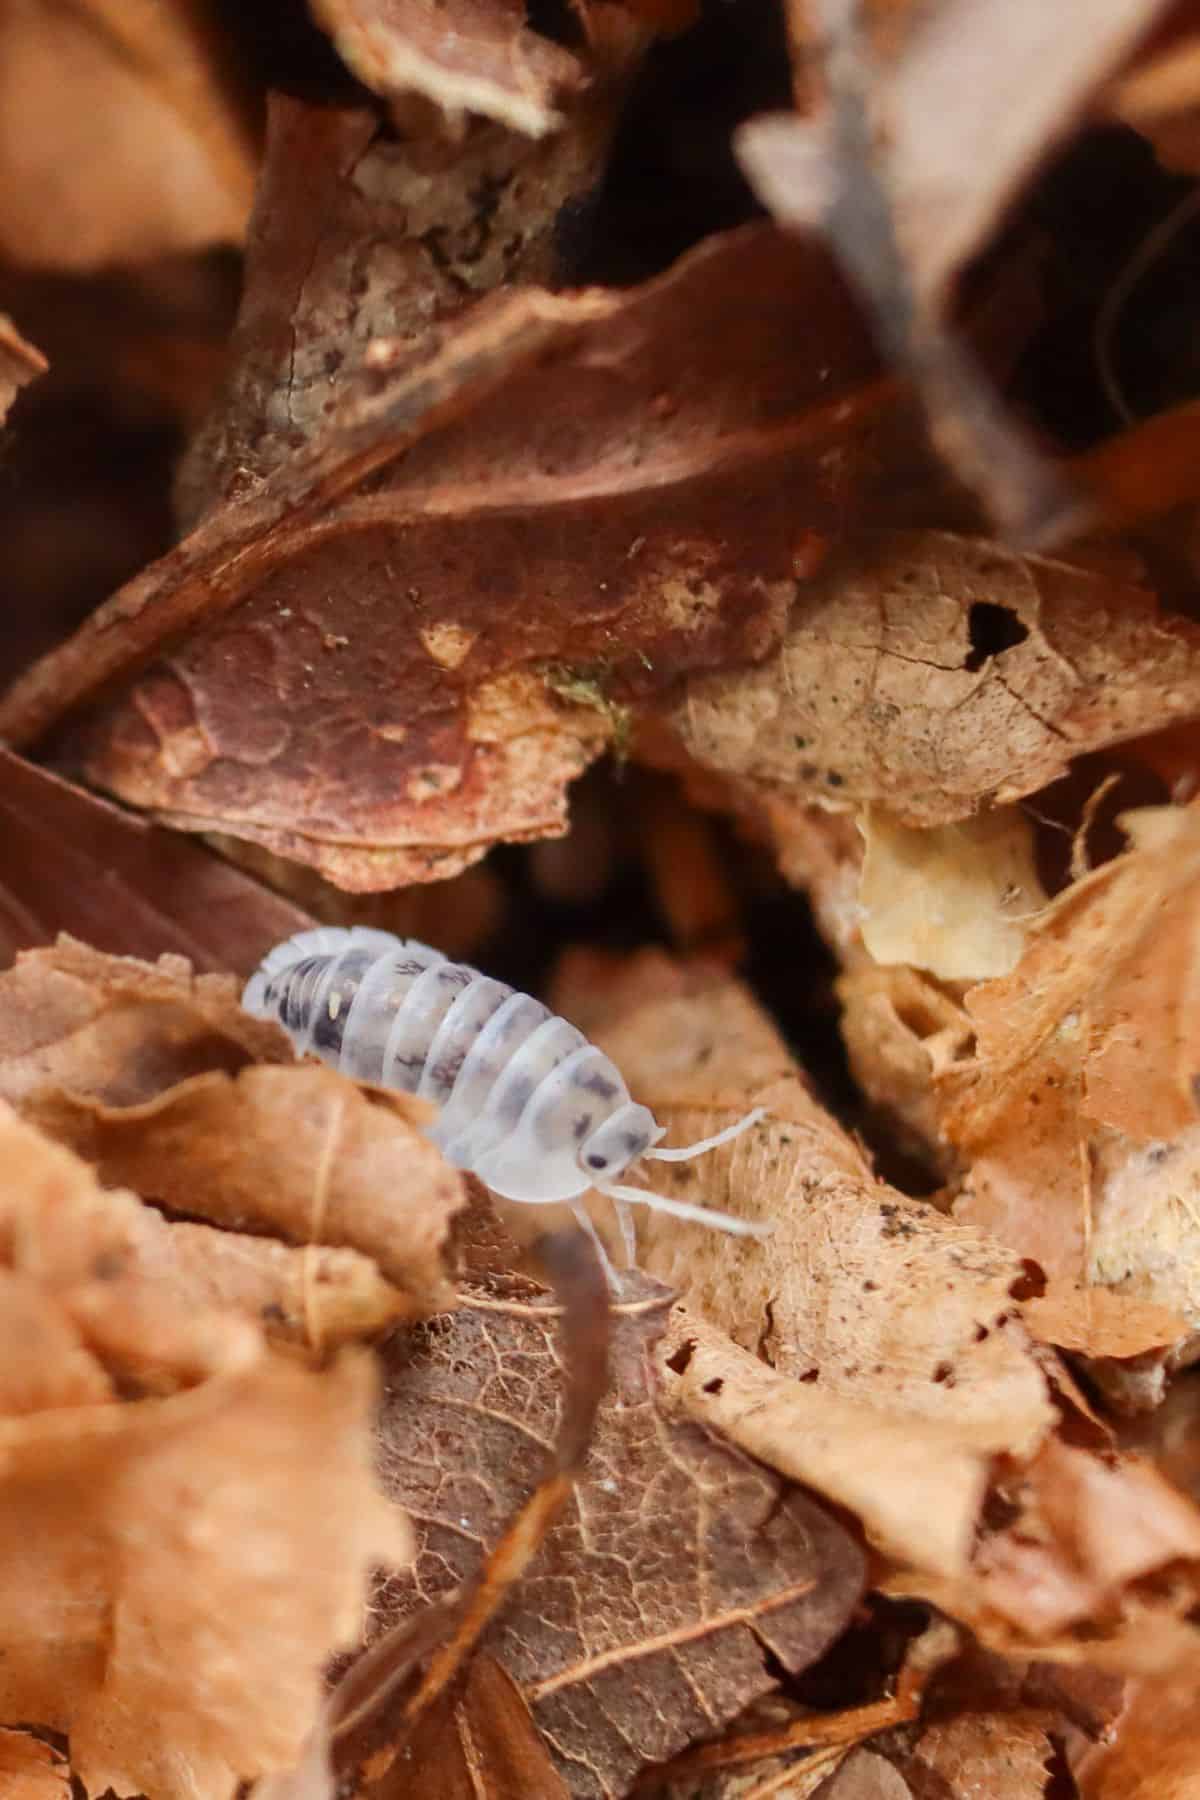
(315, 1296)
(864, 1295)
(934, 675)
(953, 900)
(522, 581)
(865, 1775)
(72, 862)
(31, 1769)
(299, 1152)
(178, 1566)
(465, 55)
(130, 1064)
(916, 1485)
(643, 1621)
(901, 1029)
(153, 84)
(1078, 1113)
(999, 1754)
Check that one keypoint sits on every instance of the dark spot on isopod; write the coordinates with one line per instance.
(600, 1085)
(581, 1127)
(596, 1161)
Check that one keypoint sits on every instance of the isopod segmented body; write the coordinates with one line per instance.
(524, 1101)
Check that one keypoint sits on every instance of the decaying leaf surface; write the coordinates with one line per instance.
(72, 862)
(1078, 1114)
(862, 1294)
(677, 1564)
(934, 675)
(116, 1058)
(467, 56)
(144, 80)
(390, 737)
(31, 1769)
(180, 1563)
(954, 900)
(1000, 1755)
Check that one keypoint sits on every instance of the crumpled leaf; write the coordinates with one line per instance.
(465, 55)
(901, 1029)
(1077, 1114)
(935, 675)
(152, 84)
(179, 1565)
(116, 1058)
(677, 1563)
(72, 862)
(866, 1297)
(31, 1769)
(400, 644)
(20, 362)
(315, 1296)
(954, 900)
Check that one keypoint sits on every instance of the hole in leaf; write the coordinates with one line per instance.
(679, 1359)
(992, 629)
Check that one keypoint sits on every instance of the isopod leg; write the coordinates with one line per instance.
(584, 1220)
(627, 1229)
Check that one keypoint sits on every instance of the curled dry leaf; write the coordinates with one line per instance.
(901, 1029)
(299, 1152)
(20, 362)
(465, 55)
(31, 1769)
(313, 1296)
(676, 1565)
(115, 1058)
(144, 81)
(863, 1295)
(179, 1565)
(1078, 1113)
(934, 675)
(401, 643)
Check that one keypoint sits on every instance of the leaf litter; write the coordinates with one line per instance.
(324, 1476)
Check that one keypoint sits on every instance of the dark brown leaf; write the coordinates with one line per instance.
(75, 863)
(383, 680)
(645, 1620)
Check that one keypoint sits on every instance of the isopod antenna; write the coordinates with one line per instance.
(686, 1151)
(681, 1209)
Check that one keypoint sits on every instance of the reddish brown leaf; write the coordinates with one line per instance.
(72, 862)
(384, 682)
(644, 1619)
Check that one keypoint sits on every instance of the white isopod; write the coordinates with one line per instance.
(524, 1101)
